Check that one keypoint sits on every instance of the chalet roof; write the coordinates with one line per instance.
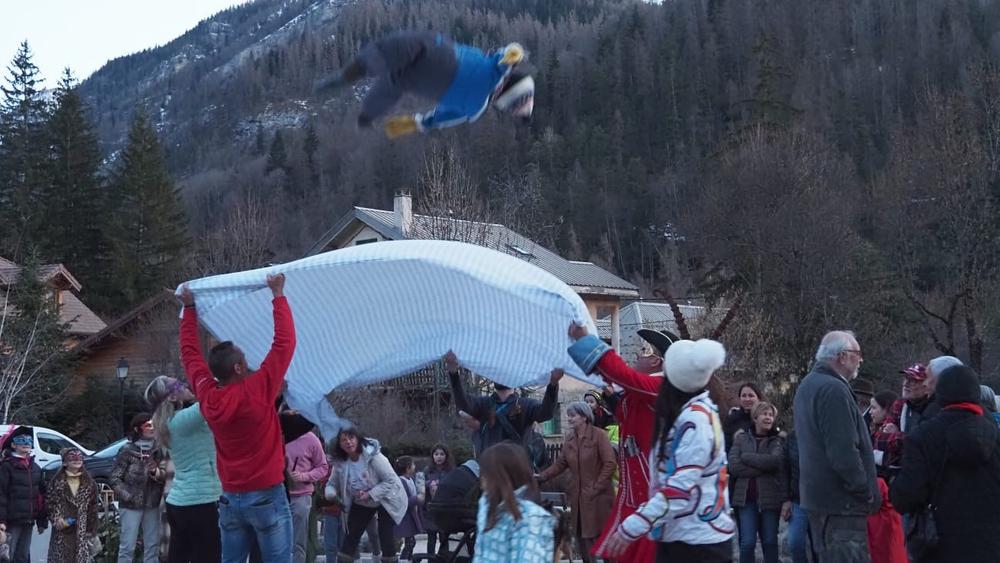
(584, 277)
(648, 314)
(122, 323)
(81, 320)
(54, 274)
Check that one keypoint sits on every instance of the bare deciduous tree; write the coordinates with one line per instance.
(939, 223)
(31, 346)
(242, 241)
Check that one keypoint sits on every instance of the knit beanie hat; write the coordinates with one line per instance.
(958, 384)
(689, 365)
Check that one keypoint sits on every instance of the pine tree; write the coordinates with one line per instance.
(23, 170)
(771, 102)
(259, 141)
(310, 144)
(277, 156)
(150, 230)
(74, 200)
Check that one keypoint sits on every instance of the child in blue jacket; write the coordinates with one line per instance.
(463, 80)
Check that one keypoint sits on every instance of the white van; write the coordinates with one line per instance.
(48, 442)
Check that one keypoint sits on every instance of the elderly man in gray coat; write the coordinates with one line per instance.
(837, 467)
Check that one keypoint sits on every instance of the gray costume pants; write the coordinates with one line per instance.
(840, 538)
(421, 63)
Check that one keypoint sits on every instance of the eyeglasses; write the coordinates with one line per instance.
(858, 352)
(147, 426)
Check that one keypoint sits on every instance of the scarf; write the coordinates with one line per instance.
(971, 407)
(73, 480)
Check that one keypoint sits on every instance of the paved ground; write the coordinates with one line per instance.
(40, 547)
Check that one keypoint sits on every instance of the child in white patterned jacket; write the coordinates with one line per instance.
(510, 526)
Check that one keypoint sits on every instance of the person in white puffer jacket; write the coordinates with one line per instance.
(688, 508)
(364, 483)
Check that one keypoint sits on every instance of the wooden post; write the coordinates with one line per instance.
(616, 329)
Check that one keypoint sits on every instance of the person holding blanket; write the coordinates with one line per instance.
(238, 405)
(504, 415)
(635, 414)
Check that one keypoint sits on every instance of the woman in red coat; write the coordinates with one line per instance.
(885, 531)
(635, 414)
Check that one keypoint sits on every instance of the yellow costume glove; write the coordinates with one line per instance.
(400, 125)
(512, 54)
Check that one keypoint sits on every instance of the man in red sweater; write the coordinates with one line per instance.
(238, 404)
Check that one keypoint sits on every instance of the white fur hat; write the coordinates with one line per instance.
(689, 365)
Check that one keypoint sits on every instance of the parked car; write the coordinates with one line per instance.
(48, 442)
(98, 464)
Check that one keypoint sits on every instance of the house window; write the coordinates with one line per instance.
(553, 426)
(365, 241)
(520, 251)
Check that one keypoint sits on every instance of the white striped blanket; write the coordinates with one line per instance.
(375, 312)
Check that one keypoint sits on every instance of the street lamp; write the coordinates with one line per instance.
(122, 370)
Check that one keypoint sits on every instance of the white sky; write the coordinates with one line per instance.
(85, 34)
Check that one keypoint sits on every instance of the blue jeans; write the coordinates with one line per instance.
(754, 523)
(798, 535)
(263, 515)
(333, 533)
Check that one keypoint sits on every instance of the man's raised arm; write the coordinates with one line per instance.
(276, 362)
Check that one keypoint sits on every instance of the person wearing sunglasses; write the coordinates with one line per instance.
(138, 478)
(22, 494)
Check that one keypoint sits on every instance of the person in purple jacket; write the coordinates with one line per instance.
(411, 524)
(463, 81)
(306, 464)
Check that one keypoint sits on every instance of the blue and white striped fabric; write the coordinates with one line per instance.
(375, 312)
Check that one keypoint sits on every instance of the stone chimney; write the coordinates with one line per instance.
(402, 206)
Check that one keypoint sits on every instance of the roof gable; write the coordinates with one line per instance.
(73, 312)
(123, 322)
(585, 277)
(55, 275)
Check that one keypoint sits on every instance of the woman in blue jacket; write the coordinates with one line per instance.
(463, 81)
(192, 503)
